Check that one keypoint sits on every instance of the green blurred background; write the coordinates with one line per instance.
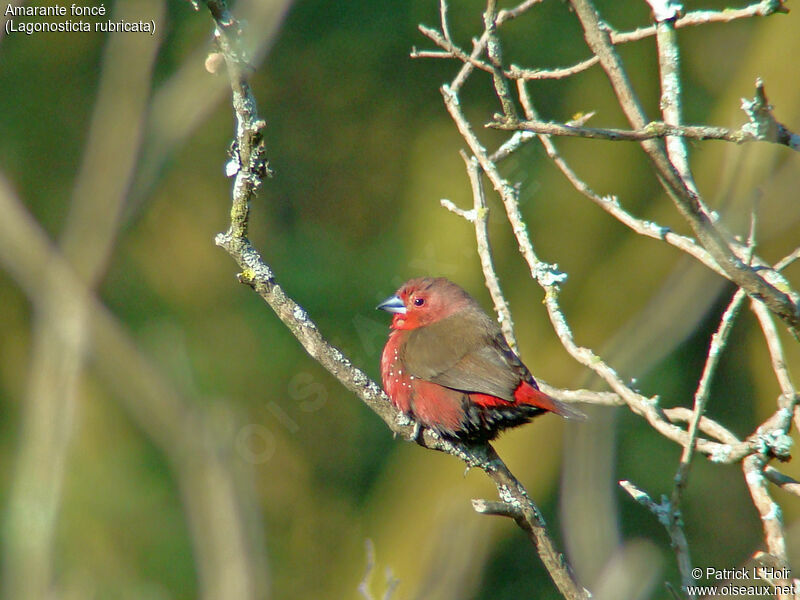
(362, 151)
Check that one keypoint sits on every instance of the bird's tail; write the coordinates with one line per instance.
(527, 394)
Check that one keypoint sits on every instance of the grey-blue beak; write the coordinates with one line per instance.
(393, 304)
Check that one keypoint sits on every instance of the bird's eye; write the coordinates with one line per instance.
(419, 301)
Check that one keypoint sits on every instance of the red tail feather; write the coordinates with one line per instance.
(527, 394)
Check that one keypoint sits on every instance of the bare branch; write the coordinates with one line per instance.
(728, 257)
(776, 354)
(493, 507)
(681, 479)
(666, 13)
(784, 482)
(511, 145)
(757, 283)
(788, 399)
(657, 130)
(705, 17)
(718, 342)
(768, 510)
(485, 250)
(763, 123)
(495, 55)
(443, 19)
(480, 45)
(666, 514)
(450, 50)
(708, 426)
(787, 260)
(528, 517)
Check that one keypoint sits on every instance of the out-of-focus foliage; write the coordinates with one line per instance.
(362, 151)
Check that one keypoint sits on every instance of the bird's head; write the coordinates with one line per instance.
(423, 301)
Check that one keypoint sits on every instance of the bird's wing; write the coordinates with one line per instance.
(486, 370)
(469, 354)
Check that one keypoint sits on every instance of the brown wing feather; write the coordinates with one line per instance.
(466, 352)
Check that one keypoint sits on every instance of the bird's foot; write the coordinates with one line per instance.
(403, 420)
(416, 433)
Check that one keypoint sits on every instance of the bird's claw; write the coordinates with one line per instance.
(402, 420)
(416, 433)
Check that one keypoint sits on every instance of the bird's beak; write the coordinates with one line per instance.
(392, 304)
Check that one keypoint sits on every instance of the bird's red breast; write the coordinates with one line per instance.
(447, 365)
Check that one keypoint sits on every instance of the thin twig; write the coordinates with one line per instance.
(471, 60)
(443, 19)
(705, 17)
(768, 439)
(451, 50)
(665, 513)
(788, 398)
(511, 145)
(768, 510)
(680, 414)
(776, 354)
(787, 260)
(783, 481)
(485, 250)
(495, 54)
(651, 131)
(718, 342)
(528, 517)
(479, 46)
(666, 13)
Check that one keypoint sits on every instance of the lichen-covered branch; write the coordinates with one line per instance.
(674, 516)
(764, 8)
(479, 215)
(770, 513)
(666, 514)
(718, 342)
(750, 132)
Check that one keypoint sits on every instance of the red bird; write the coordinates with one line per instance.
(447, 365)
